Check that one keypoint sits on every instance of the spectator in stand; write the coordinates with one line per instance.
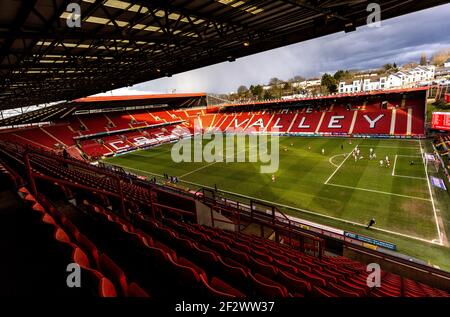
(66, 156)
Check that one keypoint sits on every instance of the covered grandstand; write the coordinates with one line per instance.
(100, 126)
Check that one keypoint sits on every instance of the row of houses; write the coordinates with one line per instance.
(301, 84)
(401, 79)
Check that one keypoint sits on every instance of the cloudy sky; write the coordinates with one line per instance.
(399, 40)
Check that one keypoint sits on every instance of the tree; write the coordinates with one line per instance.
(329, 82)
(297, 79)
(387, 67)
(275, 81)
(287, 86)
(268, 94)
(440, 57)
(410, 65)
(340, 75)
(390, 68)
(257, 91)
(423, 59)
(242, 90)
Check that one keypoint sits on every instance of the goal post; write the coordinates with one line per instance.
(432, 163)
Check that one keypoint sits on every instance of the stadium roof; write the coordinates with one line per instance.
(138, 97)
(121, 43)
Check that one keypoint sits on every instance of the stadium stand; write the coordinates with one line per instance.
(126, 130)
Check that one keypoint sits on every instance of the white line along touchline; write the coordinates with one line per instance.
(431, 195)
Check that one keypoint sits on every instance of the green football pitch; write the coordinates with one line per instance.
(331, 188)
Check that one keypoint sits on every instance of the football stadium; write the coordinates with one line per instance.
(182, 195)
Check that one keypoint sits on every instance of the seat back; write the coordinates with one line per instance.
(114, 273)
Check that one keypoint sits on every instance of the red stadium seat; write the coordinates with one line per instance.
(312, 278)
(91, 250)
(263, 268)
(267, 288)
(341, 290)
(319, 292)
(238, 256)
(294, 283)
(114, 273)
(219, 288)
(234, 272)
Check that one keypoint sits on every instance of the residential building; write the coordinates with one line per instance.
(447, 63)
(401, 79)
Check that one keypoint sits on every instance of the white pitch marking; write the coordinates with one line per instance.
(331, 160)
(413, 177)
(390, 147)
(199, 169)
(337, 169)
(409, 155)
(395, 163)
(431, 195)
(378, 191)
